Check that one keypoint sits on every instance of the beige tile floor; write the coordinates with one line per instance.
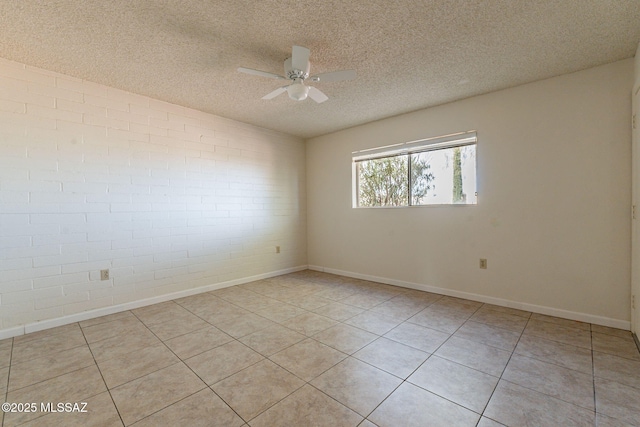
(314, 349)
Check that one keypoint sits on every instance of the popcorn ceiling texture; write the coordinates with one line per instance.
(408, 54)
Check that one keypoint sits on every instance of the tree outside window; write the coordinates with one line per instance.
(445, 175)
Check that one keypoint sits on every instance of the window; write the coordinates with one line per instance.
(434, 171)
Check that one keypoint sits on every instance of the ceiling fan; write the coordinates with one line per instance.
(297, 70)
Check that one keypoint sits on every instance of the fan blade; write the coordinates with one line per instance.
(334, 76)
(275, 93)
(260, 73)
(317, 95)
(300, 58)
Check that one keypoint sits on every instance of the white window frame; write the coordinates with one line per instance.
(460, 139)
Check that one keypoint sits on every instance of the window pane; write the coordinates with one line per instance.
(446, 176)
(383, 182)
(421, 178)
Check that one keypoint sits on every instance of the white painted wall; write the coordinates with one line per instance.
(635, 276)
(637, 64)
(169, 199)
(554, 174)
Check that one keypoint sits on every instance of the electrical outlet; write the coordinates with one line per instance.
(104, 274)
(483, 263)
(277, 249)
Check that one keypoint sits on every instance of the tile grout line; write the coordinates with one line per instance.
(309, 382)
(102, 376)
(253, 364)
(281, 367)
(180, 360)
(347, 357)
(432, 354)
(53, 377)
(544, 361)
(421, 364)
(504, 369)
(343, 322)
(593, 379)
(6, 393)
(134, 379)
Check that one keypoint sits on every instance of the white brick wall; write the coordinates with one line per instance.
(167, 198)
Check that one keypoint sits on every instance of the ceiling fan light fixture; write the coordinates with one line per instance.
(296, 70)
(298, 91)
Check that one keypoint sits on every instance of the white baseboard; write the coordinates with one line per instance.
(91, 314)
(11, 332)
(85, 315)
(550, 311)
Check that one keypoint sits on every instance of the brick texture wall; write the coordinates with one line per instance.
(165, 197)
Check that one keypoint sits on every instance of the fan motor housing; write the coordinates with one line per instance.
(295, 74)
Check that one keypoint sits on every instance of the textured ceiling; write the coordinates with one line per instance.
(408, 54)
